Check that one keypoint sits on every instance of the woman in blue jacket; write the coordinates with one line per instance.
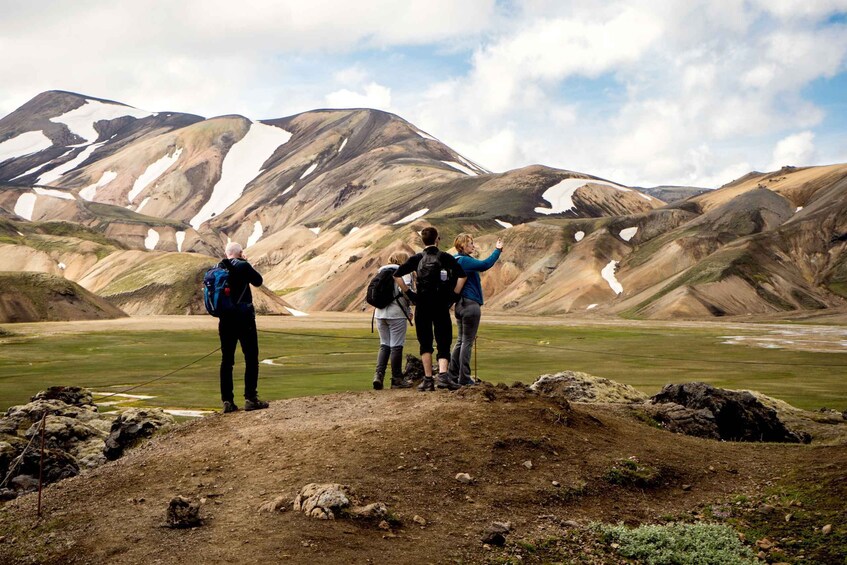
(468, 308)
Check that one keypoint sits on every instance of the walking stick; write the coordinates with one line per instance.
(475, 366)
(41, 462)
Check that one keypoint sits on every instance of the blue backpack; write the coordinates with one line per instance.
(216, 292)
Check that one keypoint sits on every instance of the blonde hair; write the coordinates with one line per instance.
(461, 241)
(398, 257)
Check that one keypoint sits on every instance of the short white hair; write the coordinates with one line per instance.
(233, 249)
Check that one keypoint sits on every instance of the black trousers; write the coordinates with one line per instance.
(433, 317)
(233, 330)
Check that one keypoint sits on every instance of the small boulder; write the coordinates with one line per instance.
(328, 501)
(496, 533)
(183, 513)
(133, 425)
(582, 387)
(826, 529)
(278, 504)
(464, 478)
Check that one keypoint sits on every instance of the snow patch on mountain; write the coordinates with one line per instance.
(460, 167)
(608, 273)
(257, 233)
(25, 205)
(53, 193)
(353, 230)
(579, 235)
(90, 191)
(473, 165)
(241, 165)
(425, 135)
(287, 190)
(54, 174)
(142, 205)
(309, 171)
(180, 239)
(152, 239)
(343, 143)
(315, 231)
(294, 312)
(153, 172)
(560, 196)
(506, 225)
(412, 217)
(24, 144)
(628, 233)
(81, 120)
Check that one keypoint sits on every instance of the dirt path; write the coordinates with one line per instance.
(402, 448)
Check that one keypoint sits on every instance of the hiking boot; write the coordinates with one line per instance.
(254, 404)
(445, 380)
(229, 406)
(428, 383)
(377, 383)
(467, 381)
(401, 383)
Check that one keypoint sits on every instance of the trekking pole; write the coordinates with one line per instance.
(475, 366)
(41, 462)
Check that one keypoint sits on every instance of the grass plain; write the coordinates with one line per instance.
(333, 358)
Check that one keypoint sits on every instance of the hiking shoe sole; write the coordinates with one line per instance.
(229, 407)
(251, 405)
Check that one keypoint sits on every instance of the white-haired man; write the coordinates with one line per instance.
(240, 326)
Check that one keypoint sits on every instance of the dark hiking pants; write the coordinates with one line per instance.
(232, 331)
(433, 317)
(468, 314)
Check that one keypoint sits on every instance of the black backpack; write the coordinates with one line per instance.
(431, 281)
(381, 290)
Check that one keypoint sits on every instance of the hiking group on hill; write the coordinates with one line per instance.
(432, 280)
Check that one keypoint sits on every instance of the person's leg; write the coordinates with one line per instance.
(384, 329)
(472, 314)
(229, 339)
(397, 340)
(443, 336)
(454, 368)
(250, 348)
(423, 329)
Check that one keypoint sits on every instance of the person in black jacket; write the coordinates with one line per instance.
(240, 326)
(439, 281)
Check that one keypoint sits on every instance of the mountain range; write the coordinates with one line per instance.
(134, 205)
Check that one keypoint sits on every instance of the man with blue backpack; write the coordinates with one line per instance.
(227, 296)
(439, 281)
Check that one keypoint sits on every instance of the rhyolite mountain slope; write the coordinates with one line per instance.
(321, 198)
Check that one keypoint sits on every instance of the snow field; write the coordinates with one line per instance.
(560, 196)
(412, 217)
(296, 313)
(242, 164)
(152, 172)
(81, 120)
(579, 235)
(90, 191)
(25, 205)
(54, 174)
(506, 225)
(152, 239)
(461, 168)
(24, 144)
(180, 239)
(608, 273)
(257, 233)
(54, 193)
(628, 233)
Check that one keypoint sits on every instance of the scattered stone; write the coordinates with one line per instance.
(527, 464)
(789, 517)
(464, 478)
(183, 513)
(133, 425)
(496, 533)
(570, 524)
(557, 484)
(766, 509)
(418, 520)
(764, 544)
(581, 387)
(826, 529)
(686, 487)
(738, 415)
(329, 501)
(384, 525)
(278, 504)
(681, 420)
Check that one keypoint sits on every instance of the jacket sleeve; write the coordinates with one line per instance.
(410, 265)
(470, 264)
(251, 274)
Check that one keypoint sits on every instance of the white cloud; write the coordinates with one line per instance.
(373, 96)
(797, 149)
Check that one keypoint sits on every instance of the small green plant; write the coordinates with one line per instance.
(631, 472)
(678, 544)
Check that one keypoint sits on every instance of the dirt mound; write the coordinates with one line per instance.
(582, 387)
(39, 297)
(545, 467)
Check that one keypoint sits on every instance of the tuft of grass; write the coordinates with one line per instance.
(631, 472)
(678, 544)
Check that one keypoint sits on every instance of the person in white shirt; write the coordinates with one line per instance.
(391, 323)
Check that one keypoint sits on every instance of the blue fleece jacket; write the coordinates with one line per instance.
(473, 267)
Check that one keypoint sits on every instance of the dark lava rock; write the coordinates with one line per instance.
(496, 533)
(132, 426)
(414, 369)
(183, 513)
(739, 416)
(689, 421)
(73, 395)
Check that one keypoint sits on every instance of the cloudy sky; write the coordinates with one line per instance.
(643, 92)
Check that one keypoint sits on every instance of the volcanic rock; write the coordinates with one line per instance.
(133, 425)
(582, 387)
(183, 513)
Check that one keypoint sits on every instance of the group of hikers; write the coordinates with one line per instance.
(432, 281)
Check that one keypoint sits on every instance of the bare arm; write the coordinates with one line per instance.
(460, 283)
